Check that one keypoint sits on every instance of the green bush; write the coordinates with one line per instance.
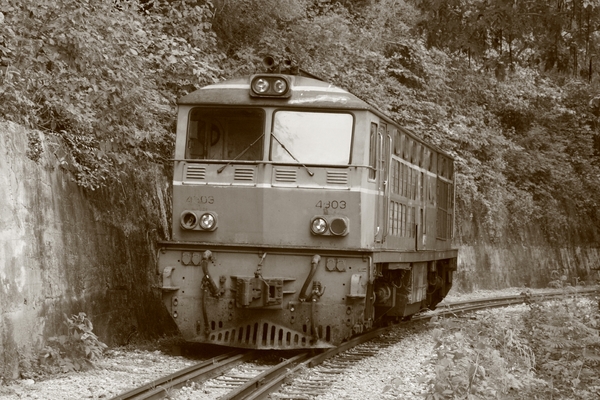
(550, 350)
(75, 351)
(484, 358)
(104, 78)
(564, 337)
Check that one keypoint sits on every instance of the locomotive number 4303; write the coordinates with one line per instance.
(333, 204)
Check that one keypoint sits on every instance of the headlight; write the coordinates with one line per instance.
(280, 86)
(273, 86)
(208, 221)
(188, 220)
(260, 85)
(318, 226)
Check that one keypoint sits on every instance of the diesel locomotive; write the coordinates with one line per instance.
(302, 215)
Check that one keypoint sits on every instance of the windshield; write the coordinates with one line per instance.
(312, 137)
(225, 134)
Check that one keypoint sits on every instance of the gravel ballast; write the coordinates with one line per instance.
(117, 372)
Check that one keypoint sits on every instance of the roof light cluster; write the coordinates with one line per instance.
(270, 86)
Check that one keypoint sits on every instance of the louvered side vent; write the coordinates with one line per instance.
(285, 175)
(339, 177)
(244, 174)
(195, 172)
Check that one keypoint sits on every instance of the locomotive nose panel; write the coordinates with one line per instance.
(267, 298)
(268, 216)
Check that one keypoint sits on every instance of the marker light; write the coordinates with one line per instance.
(318, 226)
(188, 220)
(208, 222)
(339, 226)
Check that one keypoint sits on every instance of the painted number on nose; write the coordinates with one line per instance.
(200, 199)
(333, 204)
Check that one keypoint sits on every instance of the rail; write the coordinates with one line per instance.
(159, 388)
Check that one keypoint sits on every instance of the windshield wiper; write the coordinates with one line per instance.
(291, 155)
(241, 154)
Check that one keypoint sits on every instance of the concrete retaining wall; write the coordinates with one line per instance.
(66, 251)
(486, 266)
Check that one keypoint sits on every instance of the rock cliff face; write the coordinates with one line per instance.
(500, 257)
(64, 251)
(488, 266)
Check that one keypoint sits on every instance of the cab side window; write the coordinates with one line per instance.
(373, 151)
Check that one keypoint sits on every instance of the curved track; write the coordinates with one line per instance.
(268, 379)
(504, 301)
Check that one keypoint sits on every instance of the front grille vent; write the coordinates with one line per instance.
(244, 174)
(195, 172)
(285, 175)
(265, 335)
(339, 177)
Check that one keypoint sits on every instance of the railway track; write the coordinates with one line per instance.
(259, 379)
(160, 388)
(504, 301)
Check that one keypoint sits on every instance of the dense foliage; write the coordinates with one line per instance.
(77, 350)
(501, 85)
(102, 77)
(556, 34)
(551, 350)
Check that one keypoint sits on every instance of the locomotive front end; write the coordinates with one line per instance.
(301, 216)
(266, 217)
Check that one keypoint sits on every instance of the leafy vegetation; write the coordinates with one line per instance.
(552, 350)
(75, 351)
(504, 86)
(547, 34)
(102, 77)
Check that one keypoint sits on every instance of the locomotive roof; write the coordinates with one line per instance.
(305, 92)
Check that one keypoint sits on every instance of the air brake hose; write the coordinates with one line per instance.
(206, 256)
(204, 293)
(313, 269)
